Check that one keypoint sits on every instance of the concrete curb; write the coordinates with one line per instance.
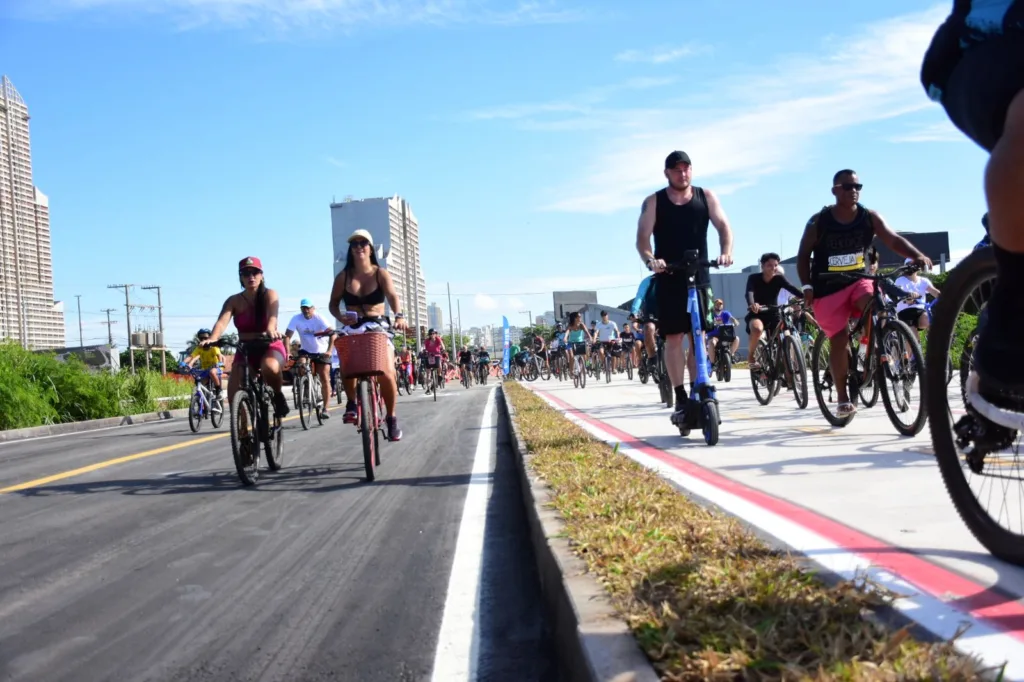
(593, 642)
(90, 425)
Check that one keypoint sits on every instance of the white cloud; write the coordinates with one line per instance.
(661, 55)
(484, 302)
(515, 303)
(284, 15)
(746, 127)
(943, 131)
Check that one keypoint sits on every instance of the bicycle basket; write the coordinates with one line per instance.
(363, 354)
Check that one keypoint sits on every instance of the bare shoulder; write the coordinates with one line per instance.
(384, 274)
(649, 203)
(272, 294)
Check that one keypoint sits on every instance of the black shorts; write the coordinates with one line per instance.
(770, 319)
(671, 297)
(317, 358)
(981, 87)
(910, 316)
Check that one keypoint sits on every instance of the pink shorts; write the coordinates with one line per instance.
(833, 312)
(276, 349)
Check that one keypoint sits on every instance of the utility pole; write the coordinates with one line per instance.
(458, 306)
(110, 328)
(160, 311)
(128, 319)
(81, 343)
(451, 320)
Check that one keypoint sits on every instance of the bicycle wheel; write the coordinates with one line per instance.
(575, 376)
(318, 401)
(975, 477)
(195, 413)
(824, 384)
(301, 388)
(217, 412)
(727, 365)
(530, 372)
(608, 367)
(380, 421)
(901, 377)
(761, 379)
(582, 371)
(709, 415)
(367, 428)
(797, 370)
(245, 447)
(274, 448)
(629, 366)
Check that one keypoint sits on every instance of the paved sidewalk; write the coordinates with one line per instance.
(849, 498)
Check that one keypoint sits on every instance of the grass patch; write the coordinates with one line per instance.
(705, 598)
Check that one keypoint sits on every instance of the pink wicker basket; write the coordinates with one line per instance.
(363, 355)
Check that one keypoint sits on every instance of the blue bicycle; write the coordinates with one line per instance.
(702, 412)
(204, 404)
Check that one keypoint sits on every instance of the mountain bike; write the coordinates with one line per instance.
(309, 394)
(579, 365)
(253, 421)
(365, 358)
(204, 405)
(892, 358)
(722, 366)
(465, 377)
(703, 400)
(780, 359)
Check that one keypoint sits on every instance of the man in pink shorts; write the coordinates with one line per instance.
(836, 240)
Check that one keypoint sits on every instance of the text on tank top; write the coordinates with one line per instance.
(840, 248)
(681, 228)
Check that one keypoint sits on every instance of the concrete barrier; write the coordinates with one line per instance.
(89, 425)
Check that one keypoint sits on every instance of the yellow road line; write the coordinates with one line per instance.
(112, 462)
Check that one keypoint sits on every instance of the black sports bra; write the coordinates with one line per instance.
(375, 297)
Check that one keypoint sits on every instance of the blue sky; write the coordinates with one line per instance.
(174, 137)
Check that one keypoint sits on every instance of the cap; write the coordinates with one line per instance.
(676, 158)
(305, 303)
(250, 262)
(361, 234)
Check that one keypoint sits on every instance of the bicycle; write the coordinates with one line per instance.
(781, 361)
(482, 370)
(204, 405)
(629, 361)
(309, 394)
(465, 377)
(892, 357)
(365, 358)
(402, 379)
(723, 353)
(703, 411)
(251, 409)
(579, 366)
(432, 379)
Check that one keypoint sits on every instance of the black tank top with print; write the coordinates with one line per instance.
(840, 248)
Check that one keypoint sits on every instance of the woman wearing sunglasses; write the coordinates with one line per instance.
(254, 311)
(364, 286)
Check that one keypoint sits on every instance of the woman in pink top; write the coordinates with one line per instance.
(255, 314)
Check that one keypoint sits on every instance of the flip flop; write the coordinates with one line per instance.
(846, 410)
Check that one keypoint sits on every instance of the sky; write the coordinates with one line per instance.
(175, 137)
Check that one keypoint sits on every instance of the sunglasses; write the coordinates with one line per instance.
(360, 243)
(250, 272)
(848, 186)
(305, 308)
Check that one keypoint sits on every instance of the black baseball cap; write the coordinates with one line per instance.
(676, 158)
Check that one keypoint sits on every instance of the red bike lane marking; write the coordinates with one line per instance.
(997, 610)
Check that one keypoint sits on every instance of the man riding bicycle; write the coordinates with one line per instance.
(210, 361)
(763, 289)
(724, 331)
(316, 338)
(607, 333)
(466, 362)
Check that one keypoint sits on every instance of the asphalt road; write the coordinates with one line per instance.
(162, 567)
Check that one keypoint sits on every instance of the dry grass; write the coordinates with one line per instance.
(706, 599)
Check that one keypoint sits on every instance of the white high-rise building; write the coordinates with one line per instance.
(396, 237)
(435, 318)
(28, 313)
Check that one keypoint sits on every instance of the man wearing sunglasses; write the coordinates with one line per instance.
(837, 240)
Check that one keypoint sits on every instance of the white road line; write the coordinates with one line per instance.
(458, 642)
(933, 613)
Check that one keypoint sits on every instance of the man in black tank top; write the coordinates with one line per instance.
(678, 217)
(837, 240)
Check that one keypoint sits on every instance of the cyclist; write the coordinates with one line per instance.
(576, 338)
(628, 339)
(914, 314)
(724, 331)
(513, 353)
(315, 338)
(364, 286)
(838, 238)
(466, 362)
(677, 217)
(483, 359)
(644, 308)
(539, 347)
(433, 350)
(405, 365)
(763, 289)
(973, 69)
(254, 311)
(210, 362)
(605, 332)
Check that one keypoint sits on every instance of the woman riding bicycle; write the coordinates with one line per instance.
(254, 311)
(576, 338)
(364, 286)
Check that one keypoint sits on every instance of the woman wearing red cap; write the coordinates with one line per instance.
(364, 286)
(255, 313)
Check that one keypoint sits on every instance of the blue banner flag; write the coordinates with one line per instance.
(504, 344)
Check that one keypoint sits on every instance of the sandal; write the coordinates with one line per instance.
(846, 410)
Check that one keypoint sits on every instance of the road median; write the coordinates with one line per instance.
(701, 595)
(12, 435)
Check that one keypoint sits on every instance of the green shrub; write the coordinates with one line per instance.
(962, 331)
